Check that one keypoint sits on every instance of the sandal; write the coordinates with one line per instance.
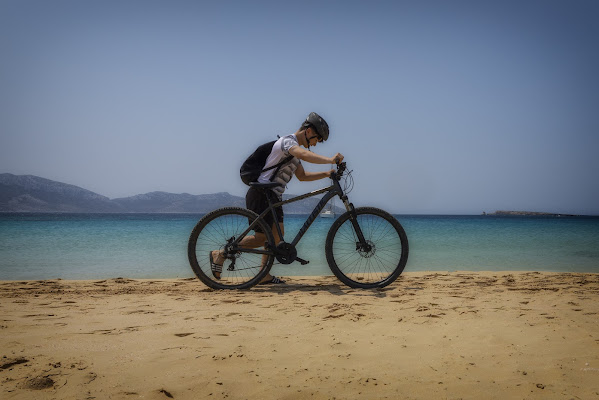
(274, 280)
(216, 269)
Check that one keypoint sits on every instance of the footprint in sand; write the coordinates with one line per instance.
(435, 315)
(39, 383)
(11, 362)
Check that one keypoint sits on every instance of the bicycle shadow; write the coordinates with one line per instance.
(315, 286)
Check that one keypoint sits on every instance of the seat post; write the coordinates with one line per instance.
(268, 193)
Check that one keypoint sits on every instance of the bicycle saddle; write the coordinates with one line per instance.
(267, 185)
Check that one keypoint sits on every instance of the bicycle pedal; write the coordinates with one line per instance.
(301, 261)
(231, 266)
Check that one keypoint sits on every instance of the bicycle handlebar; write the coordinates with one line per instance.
(340, 170)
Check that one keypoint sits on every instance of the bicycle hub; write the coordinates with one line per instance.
(367, 249)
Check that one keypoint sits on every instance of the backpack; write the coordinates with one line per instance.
(254, 165)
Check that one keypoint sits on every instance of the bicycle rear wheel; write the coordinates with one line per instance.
(382, 263)
(214, 231)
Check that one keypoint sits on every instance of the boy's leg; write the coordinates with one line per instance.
(256, 201)
(275, 232)
(256, 240)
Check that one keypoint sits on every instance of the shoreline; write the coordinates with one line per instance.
(276, 270)
(295, 280)
(428, 335)
(296, 214)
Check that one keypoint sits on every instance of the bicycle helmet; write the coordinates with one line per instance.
(319, 124)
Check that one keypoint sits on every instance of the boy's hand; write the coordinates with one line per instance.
(338, 158)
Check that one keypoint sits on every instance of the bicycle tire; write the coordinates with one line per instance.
(212, 233)
(376, 268)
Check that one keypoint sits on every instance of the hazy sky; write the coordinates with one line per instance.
(454, 107)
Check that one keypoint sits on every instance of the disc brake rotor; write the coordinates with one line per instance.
(366, 251)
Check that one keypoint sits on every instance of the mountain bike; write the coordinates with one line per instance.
(365, 247)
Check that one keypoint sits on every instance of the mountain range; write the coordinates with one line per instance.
(28, 193)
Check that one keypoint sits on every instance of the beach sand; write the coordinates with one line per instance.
(467, 335)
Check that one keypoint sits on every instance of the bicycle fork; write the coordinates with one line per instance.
(362, 245)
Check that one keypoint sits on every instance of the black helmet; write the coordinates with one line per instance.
(319, 124)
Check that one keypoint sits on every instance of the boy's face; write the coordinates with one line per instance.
(313, 138)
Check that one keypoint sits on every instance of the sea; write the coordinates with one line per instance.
(100, 246)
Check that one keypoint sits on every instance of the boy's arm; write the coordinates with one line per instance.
(314, 158)
(302, 175)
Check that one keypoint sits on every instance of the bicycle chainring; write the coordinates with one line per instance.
(286, 253)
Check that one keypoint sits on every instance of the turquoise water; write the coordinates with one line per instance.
(98, 246)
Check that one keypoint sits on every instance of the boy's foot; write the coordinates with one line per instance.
(216, 268)
(272, 280)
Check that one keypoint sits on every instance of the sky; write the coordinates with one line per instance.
(439, 107)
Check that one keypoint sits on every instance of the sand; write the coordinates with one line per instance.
(427, 336)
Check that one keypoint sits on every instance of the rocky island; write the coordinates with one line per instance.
(527, 214)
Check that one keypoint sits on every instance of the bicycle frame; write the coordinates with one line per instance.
(331, 191)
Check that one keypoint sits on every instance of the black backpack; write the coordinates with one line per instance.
(254, 165)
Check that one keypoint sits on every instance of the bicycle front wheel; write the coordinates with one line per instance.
(385, 257)
(213, 233)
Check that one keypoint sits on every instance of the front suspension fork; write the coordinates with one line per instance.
(353, 217)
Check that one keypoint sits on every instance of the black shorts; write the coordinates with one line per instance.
(256, 201)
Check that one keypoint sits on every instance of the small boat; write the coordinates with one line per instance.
(329, 210)
(327, 214)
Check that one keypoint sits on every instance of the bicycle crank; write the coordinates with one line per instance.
(286, 253)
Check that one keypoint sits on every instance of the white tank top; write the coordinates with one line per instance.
(280, 151)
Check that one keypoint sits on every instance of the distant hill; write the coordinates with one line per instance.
(28, 193)
(162, 202)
